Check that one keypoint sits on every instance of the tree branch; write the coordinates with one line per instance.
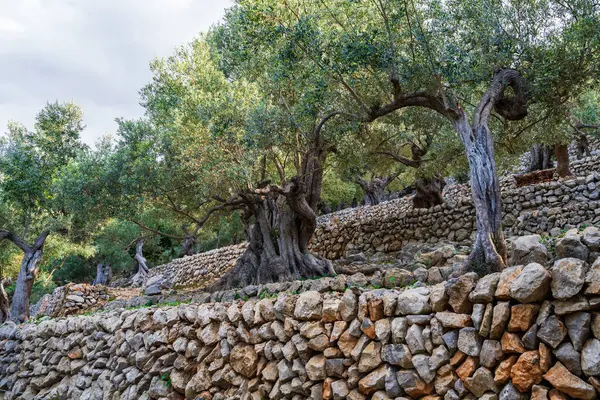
(17, 241)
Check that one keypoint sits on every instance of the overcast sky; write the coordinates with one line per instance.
(94, 52)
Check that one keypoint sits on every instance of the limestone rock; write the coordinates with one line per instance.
(481, 382)
(590, 358)
(578, 327)
(528, 249)
(507, 276)
(552, 331)
(469, 342)
(526, 372)
(570, 358)
(373, 382)
(308, 306)
(566, 382)
(531, 285)
(458, 293)
(570, 246)
(453, 320)
(568, 277)
(522, 316)
(413, 301)
(491, 353)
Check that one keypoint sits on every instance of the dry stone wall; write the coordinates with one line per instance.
(72, 299)
(197, 270)
(528, 332)
(530, 209)
(388, 227)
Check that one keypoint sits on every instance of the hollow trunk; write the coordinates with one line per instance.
(142, 268)
(489, 253)
(277, 247)
(103, 274)
(541, 158)
(583, 145)
(562, 160)
(429, 192)
(27, 273)
(188, 245)
(4, 304)
(374, 190)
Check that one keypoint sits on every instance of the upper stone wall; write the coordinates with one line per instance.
(528, 332)
(387, 227)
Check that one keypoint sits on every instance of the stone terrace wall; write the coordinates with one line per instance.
(197, 270)
(528, 332)
(389, 226)
(530, 209)
(74, 298)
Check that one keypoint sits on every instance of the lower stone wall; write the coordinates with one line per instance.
(528, 332)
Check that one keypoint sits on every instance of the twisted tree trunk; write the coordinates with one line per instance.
(103, 274)
(429, 192)
(32, 257)
(278, 236)
(489, 252)
(541, 158)
(4, 304)
(142, 268)
(374, 190)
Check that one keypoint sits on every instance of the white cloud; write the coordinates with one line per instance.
(94, 52)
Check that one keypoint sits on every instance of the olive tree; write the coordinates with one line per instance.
(30, 162)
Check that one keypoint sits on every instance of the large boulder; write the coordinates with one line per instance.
(529, 249)
(591, 238)
(566, 382)
(571, 246)
(531, 285)
(568, 277)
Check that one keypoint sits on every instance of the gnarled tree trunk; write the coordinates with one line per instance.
(188, 245)
(374, 190)
(103, 274)
(142, 267)
(428, 192)
(32, 257)
(4, 304)
(278, 236)
(489, 253)
(562, 160)
(583, 146)
(27, 273)
(541, 157)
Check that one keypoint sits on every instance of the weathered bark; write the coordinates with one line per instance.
(188, 245)
(142, 267)
(4, 304)
(429, 192)
(583, 146)
(541, 158)
(25, 280)
(32, 257)
(374, 190)
(103, 274)
(489, 253)
(278, 235)
(562, 160)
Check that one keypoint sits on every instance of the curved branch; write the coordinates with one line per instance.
(403, 160)
(512, 108)
(17, 241)
(156, 231)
